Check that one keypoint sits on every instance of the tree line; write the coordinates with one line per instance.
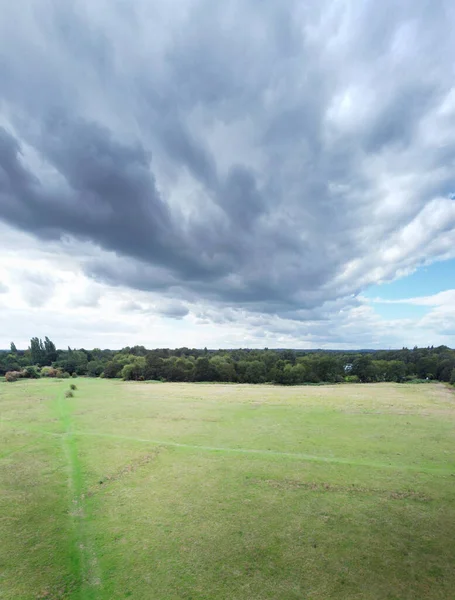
(285, 367)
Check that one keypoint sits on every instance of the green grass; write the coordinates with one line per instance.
(229, 492)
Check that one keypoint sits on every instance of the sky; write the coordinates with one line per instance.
(227, 174)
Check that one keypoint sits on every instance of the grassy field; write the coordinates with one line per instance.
(192, 491)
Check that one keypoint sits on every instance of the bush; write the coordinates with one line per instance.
(73, 386)
(65, 375)
(12, 376)
(31, 372)
(51, 372)
(74, 375)
(69, 394)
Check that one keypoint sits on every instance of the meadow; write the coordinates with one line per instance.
(167, 491)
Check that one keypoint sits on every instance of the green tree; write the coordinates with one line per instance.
(445, 368)
(177, 368)
(50, 351)
(153, 366)
(326, 367)
(134, 370)
(223, 367)
(94, 368)
(255, 372)
(301, 373)
(73, 361)
(112, 369)
(9, 362)
(37, 352)
(395, 371)
(364, 368)
(204, 370)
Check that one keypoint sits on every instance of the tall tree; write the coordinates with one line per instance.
(37, 353)
(50, 351)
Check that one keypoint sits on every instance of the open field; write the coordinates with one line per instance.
(192, 491)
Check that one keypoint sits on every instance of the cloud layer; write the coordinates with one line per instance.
(229, 161)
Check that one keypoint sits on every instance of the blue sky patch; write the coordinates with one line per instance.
(425, 281)
(399, 311)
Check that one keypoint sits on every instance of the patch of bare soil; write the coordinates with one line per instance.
(291, 484)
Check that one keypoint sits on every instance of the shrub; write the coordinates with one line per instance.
(74, 375)
(64, 375)
(73, 386)
(31, 372)
(69, 394)
(51, 372)
(12, 376)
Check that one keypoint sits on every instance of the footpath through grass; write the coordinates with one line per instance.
(187, 491)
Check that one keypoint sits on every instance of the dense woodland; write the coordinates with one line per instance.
(286, 367)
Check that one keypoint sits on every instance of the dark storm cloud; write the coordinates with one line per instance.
(271, 158)
(109, 192)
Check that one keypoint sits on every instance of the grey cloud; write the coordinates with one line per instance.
(337, 124)
(172, 309)
(132, 307)
(36, 288)
(110, 192)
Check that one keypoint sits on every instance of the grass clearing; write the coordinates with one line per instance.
(189, 491)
